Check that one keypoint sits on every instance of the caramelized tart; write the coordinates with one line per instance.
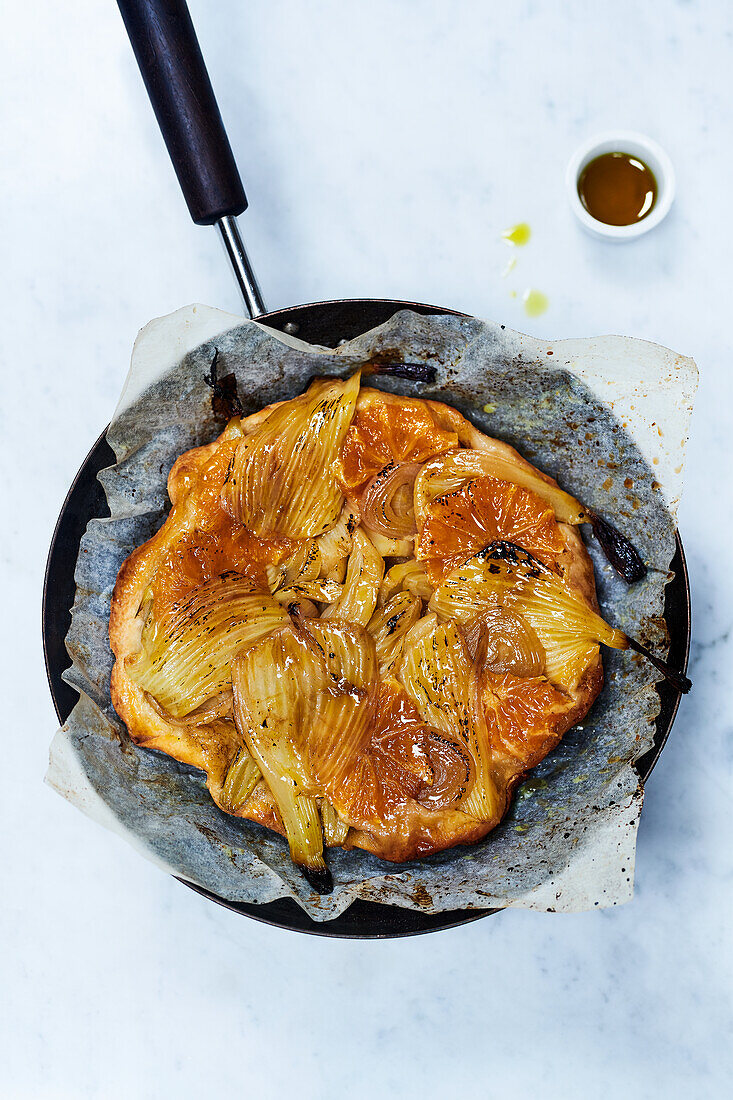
(363, 619)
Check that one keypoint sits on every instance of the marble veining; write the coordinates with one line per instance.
(384, 148)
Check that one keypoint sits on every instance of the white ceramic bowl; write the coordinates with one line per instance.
(636, 145)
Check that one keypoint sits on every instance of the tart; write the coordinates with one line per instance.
(363, 619)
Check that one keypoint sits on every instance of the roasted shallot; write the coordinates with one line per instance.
(387, 503)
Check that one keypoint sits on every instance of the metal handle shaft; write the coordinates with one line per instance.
(243, 272)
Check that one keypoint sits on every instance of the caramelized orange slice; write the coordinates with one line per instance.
(203, 555)
(384, 432)
(519, 715)
(484, 510)
(408, 767)
(395, 767)
(212, 544)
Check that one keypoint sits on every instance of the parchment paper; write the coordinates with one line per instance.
(608, 416)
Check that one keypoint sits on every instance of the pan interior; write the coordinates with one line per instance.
(327, 324)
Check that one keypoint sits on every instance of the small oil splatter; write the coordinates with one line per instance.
(517, 234)
(509, 267)
(530, 788)
(535, 302)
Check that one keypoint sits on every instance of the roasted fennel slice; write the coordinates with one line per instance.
(504, 575)
(241, 779)
(334, 829)
(439, 676)
(335, 546)
(281, 479)
(364, 575)
(268, 713)
(409, 576)
(389, 625)
(303, 699)
(340, 686)
(297, 582)
(570, 632)
(304, 564)
(322, 591)
(186, 654)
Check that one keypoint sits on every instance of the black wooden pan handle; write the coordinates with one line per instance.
(168, 53)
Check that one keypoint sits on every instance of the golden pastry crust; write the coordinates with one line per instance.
(213, 746)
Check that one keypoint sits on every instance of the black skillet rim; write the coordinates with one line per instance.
(316, 322)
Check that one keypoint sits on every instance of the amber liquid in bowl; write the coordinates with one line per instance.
(617, 189)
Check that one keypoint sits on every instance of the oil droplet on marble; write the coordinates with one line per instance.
(509, 267)
(535, 302)
(517, 234)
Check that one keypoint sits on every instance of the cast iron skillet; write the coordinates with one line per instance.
(167, 51)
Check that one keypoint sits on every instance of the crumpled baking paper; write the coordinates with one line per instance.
(607, 416)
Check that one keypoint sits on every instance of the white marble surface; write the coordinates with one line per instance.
(384, 147)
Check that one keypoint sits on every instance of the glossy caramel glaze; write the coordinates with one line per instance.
(214, 544)
(382, 432)
(401, 798)
(483, 510)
